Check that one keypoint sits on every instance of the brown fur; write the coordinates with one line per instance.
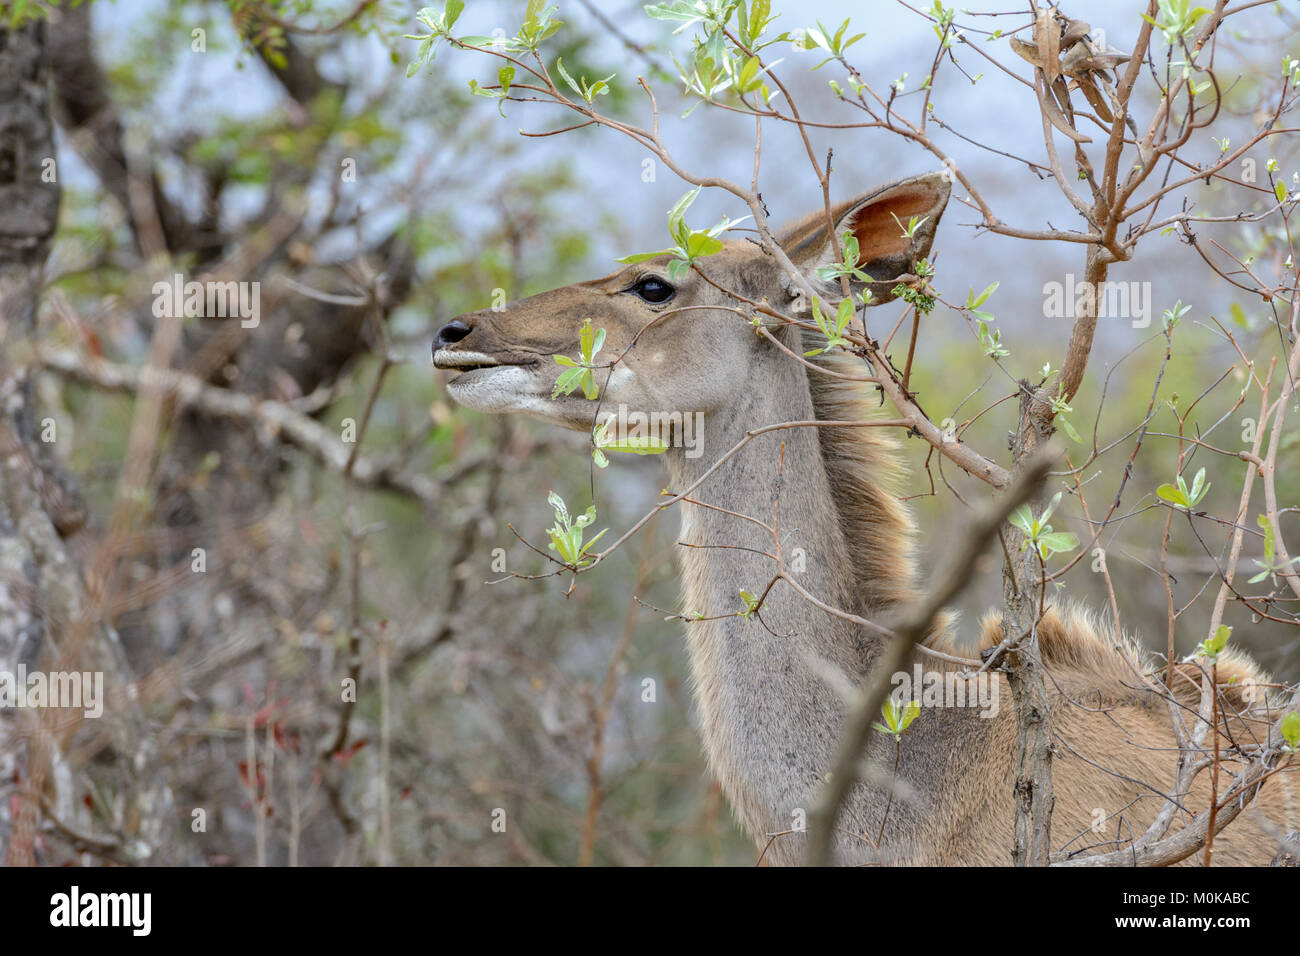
(864, 473)
(1115, 735)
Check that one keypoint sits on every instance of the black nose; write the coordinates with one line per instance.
(452, 332)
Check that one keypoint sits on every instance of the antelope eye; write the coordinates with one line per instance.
(653, 289)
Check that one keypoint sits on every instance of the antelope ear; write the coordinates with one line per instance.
(879, 221)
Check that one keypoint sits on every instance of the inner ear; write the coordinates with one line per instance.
(880, 225)
(880, 222)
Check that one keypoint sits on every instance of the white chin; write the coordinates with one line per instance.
(506, 388)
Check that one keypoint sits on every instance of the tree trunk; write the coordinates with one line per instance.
(47, 619)
(1033, 786)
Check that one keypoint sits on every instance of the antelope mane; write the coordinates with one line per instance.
(865, 474)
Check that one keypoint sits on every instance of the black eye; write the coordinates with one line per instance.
(653, 289)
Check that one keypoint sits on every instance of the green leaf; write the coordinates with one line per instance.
(898, 719)
(1023, 519)
(974, 302)
(1057, 541)
(1171, 494)
(702, 244)
(678, 268)
(561, 510)
(1215, 645)
(676, 10)
(1290, 728)
(720, 228)
(913, 709)
(1267, 527)
(1068, 428)
(566, 536)
(677, 215)
(648, 445)
(844, 315)
(587, 547)
(579, 374)
(890, 711)
(573, 84)
(643, 256)
(636, 444)
(567, 381)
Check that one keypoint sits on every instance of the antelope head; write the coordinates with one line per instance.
(682, 344)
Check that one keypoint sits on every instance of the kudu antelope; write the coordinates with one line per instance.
(769, 715)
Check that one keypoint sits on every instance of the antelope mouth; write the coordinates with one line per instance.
(465, 362)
